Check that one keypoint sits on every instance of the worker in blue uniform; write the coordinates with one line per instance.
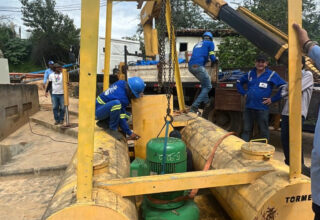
(200, 54)
(111, 106)
(260, 82)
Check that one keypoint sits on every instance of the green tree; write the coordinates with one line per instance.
(6, 33)
(16, 50)
(187, 15)
(52, 33)
(236, 52)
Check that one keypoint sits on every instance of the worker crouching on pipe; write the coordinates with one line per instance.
(111, 106)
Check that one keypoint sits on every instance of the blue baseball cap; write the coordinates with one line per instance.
(50, 62)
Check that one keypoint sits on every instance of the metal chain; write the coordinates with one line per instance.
(169, 91)
(168, 82)
(162, 70)
(162, 55)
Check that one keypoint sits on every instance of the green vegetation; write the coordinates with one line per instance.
(53, 37)
(14, 49)
(53, 34)
(187, 15)
(25, 67)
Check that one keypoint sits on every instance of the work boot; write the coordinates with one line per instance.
(207, 109)
(305, 170)
(116, 134)
(194, 109)
(104, 124)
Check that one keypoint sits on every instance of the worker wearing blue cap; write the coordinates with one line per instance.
(200, 54)
(47, 73)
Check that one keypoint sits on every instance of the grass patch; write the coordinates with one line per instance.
(25, 67)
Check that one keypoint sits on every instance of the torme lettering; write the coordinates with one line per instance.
(301, 198)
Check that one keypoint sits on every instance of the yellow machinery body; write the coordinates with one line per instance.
(270, 195)
(148, 119)
(111, 161)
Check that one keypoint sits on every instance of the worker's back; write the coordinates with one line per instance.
(200, 53)
(117, 91)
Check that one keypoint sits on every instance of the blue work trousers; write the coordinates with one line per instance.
(261, 117)
(205, 80)
(58, 107)
(111, 112)
(316, 210)
(285, 139)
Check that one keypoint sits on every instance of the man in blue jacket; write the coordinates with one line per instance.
(47, 73)
(199, 58)
(260, 82)
(111, 106)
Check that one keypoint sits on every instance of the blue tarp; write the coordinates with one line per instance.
(231, 75)
(153, 62)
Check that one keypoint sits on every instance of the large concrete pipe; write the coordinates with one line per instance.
(111, 161)
(270, 197)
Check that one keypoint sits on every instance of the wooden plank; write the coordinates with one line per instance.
(183, 181)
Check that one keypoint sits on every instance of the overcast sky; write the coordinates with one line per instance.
(124, 20)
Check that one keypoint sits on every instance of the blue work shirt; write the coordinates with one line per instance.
(259, 88)
(46, 75)
(314, 54)
(117, 91)
(201, 52)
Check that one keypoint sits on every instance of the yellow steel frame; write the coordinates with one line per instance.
(294, 16)
(174, 57)
(183, 181)
(212, 7)
(147, 33)
(87, 95)
(65, 86)
(107, 51)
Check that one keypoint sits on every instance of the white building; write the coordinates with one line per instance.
(117, 52)
(188, 38)
(185, 41)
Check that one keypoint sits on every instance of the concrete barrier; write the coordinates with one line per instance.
(17, 103)
(4, 71)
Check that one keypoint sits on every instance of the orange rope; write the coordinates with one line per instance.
(206, 167)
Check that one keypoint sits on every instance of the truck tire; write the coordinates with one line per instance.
(228, 120)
